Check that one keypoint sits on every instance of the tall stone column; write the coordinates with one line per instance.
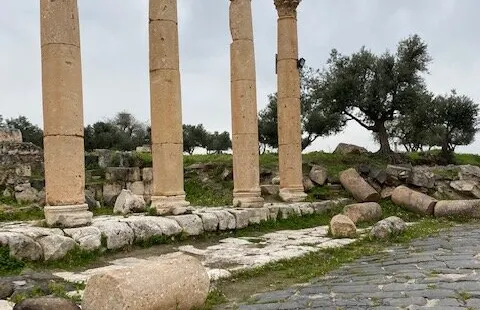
(246, 171)
(63, 114)
(288, 103)
(166, 109)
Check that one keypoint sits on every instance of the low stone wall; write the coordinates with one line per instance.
(29, 242)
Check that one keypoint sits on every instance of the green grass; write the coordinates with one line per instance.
(21, 215)
(209, 193)
(9, 264)
(285, 273)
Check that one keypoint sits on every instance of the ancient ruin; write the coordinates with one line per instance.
(63, 110)
(63, 115)
(288, 103)
(246, 174)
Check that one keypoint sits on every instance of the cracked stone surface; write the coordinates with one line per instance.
(232, 254)
(439, 272)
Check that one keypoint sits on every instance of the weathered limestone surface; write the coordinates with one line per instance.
(127, 202)
(463, 208)
(63, 114)
(27, 241)
(413, 200)
(388, 227)
(46, 303)
(166, 109)
(362, 212)
(318, 174)
(178, 282)
(288, 103)
(246, 170)
(358, 187)
(55, 246)
(341, 226)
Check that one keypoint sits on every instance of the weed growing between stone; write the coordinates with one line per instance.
(9, 264)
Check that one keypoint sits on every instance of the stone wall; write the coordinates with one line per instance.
(10, 135)
(18, 161)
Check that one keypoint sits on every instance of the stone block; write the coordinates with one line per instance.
(269, 190)
(226, 220)
(21, 246)
(363, 212)
(190, 223)
(388, 227)
(209, 219)
(122, 174)
(341, 226)
(147, 174)
(413, 200)
(88, 238)
(241, 217)
(118, 234)
(56, 247)
(127, 202)
(110, 192)
(177, 282)
(258, 215)
(318, 174)
(358, 187)
(460, 208)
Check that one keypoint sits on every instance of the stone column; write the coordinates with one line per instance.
(288, 103)
(246, 171)
(166, 110)
(63, 115)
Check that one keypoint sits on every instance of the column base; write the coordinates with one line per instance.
(292, 194)
(247, 200)
(165, 205)
(68, 216)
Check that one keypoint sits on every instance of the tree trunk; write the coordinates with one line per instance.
(383, 138)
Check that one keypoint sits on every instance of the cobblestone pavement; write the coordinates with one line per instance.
(439, 272)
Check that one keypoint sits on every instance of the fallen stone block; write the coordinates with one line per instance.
(270, 189)
(468, 187)
(318, 174)
(308, 185)
(388, 227)
(341, 226)
(178, 282)
(127, 203)
(358, 187)
(413, 201)
(363, 212)
(464, 208)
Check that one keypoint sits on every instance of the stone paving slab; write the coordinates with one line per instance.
(231, 254)
(439, 272)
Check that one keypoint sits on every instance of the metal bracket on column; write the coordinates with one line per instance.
(276, 63)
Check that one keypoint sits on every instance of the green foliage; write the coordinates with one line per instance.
(218, 142)
(9, 264)
(371, 89)
(122, 133)
(317, 119)
(194, 136)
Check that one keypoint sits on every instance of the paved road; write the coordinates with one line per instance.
(440, 272)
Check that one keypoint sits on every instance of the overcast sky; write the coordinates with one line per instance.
(114, 38)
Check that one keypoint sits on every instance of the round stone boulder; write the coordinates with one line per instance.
(363, 212)
(458, 208)
(388, 227)
(358, 187)
(413, 201)
(177, 282)
(46, 303)
(341, 226)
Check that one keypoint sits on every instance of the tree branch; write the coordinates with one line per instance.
(359, 121)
